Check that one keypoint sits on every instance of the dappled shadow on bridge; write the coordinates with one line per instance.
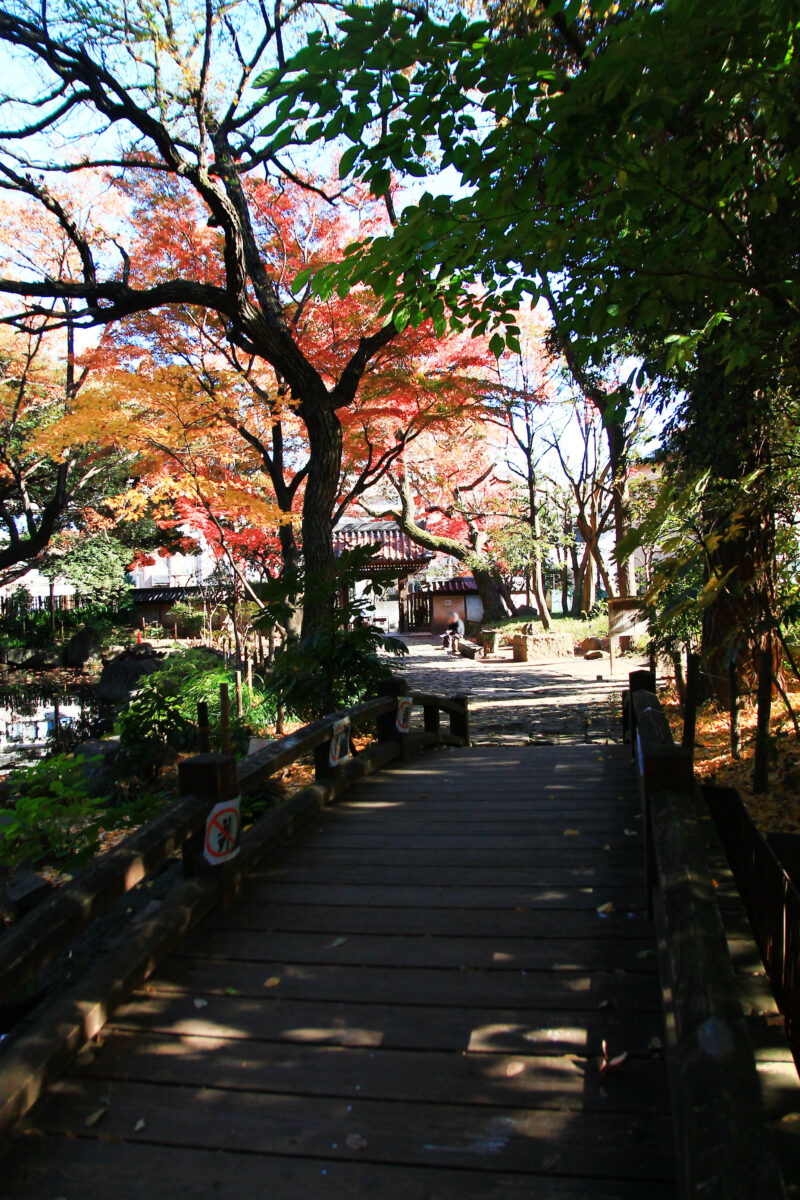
(410, 1003)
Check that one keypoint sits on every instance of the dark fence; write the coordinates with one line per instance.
(10, 607)
(770, 898)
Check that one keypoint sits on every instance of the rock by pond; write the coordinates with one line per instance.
(80, 648)
(36, 658)
(122, 674)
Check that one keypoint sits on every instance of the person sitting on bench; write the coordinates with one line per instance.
(454, 631)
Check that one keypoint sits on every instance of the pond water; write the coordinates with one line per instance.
(29, 717)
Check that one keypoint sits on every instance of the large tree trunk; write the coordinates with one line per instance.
(290, 570)
(732, 435)
(493, 607)
(324, 462)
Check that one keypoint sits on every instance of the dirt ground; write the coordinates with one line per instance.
(778, 809)
(515, 703)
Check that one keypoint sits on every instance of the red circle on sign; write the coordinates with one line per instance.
(217, 826)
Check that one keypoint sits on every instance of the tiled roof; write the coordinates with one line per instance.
(396, 547)
(162, 595)
(463, 586)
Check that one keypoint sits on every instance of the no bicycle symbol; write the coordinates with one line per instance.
(222, 832)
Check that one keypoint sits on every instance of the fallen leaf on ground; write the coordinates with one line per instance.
(514, 1068)
(335, 943)
(273, 981)
(95, 1117)
(571, 832)
(611, 1064)
(200, 1003)
(139, 1126)
(605, 909)
(355, 1141)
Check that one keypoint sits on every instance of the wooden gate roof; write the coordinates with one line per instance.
(398, 555)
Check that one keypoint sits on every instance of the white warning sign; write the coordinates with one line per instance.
(404, 707)
(340, 742)
(223, 829)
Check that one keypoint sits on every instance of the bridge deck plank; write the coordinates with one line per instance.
(410, 1003)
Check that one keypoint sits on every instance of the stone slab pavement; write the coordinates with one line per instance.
(513, 703)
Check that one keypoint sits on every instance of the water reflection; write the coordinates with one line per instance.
(33, 724)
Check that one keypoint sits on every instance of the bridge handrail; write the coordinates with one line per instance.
(723, 1144)
(36, 938)
(40, 1053)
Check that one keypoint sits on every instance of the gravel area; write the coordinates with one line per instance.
(516, 703)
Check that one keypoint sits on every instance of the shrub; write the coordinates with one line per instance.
(188, 619)
(161, 719)
(51, 814)
(342, 662)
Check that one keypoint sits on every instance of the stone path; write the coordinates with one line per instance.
(514, 703)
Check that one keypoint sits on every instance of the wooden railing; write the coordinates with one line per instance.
(723, 1144)
(204, 781)
(770, 898)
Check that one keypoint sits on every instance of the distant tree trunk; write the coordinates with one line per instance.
(470, 555)
(764, 693)
(617, 444)
(588, 592)
(540, 596)
(680, 683)
(537, 579)
(691, 700)
(508, 599)
(579, 567)
(618, 455)
(733, 709)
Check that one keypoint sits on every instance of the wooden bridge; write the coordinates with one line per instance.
(446, 985)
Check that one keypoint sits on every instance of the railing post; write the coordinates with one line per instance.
(459, 721)
(203, 728)
(322, 760)
(638, 681)
(387, 723)
(433, 718)
(322, 766)
(212, 778)
(663, 768)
